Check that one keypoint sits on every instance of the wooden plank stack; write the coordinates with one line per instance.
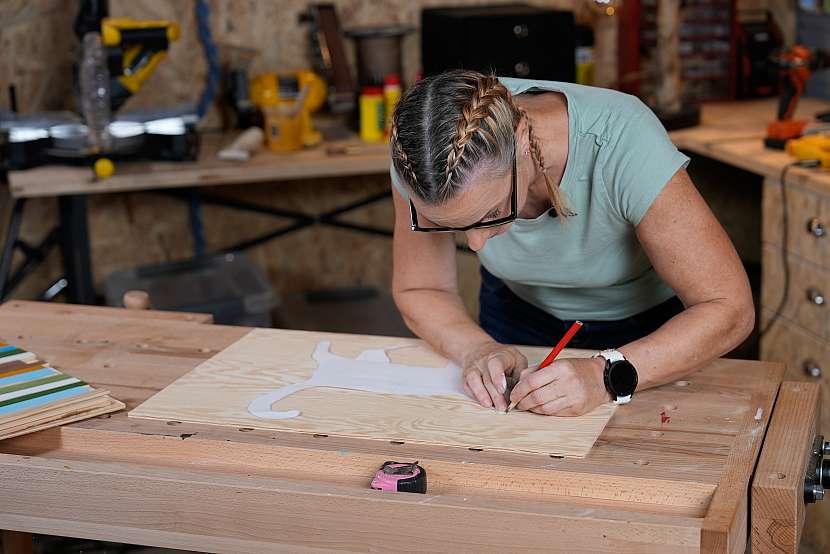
(35, 396)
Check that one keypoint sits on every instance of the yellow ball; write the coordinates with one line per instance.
(104, 168)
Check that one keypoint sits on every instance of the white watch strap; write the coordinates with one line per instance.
(615, 356)
(612, 355)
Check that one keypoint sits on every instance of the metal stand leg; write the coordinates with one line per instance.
(8, 248)
(75, 248)
(15, 542)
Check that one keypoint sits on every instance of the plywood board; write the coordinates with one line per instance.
(219, 391)
(36, 396)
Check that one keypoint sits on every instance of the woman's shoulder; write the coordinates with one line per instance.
(605, 112)
(599, 111)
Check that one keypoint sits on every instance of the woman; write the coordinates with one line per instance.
(579, 208)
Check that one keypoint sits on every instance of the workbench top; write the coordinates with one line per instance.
(731, 132)
(671, 470)
(338, 158)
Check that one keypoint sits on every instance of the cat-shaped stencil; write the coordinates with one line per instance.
(371, 371)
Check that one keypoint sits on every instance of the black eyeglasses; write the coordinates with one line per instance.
(479, 225)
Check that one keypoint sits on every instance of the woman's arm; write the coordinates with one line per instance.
(692, 253)
(425, 288)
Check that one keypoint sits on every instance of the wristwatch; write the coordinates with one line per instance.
(620, 376)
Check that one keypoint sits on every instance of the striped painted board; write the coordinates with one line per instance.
(35, 395)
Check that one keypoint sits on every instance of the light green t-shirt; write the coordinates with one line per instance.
(591, 266)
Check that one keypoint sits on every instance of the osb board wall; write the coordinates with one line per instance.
(313, 258)
(38, 48)
(272, 29)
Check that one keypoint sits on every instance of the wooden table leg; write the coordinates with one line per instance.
(15, 542)
(777, 495)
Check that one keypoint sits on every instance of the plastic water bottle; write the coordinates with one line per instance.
(95, 92)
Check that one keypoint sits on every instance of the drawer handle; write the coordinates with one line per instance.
(816, 228)
(816, 297)
(521, 31)
(812, 368)
(522, 69)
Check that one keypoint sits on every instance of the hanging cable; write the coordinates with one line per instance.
(785, 236)
(208, 94)
(211, 56)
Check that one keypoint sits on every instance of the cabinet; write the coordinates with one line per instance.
(801, 336)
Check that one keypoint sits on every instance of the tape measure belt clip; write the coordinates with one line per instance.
(400, 477)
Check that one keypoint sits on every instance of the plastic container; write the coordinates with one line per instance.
(371, 114)
(391, 95)
(283, 127)
(228, 286)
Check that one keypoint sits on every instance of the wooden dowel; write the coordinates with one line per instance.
(136, 300)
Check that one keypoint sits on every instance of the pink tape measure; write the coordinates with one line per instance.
(400, 477)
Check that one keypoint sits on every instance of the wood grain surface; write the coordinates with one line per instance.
(778, 506)
(649, 484)
(218, 392)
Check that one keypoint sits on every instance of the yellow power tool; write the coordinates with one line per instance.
(811, 147)
(284, 89)
(134, 49)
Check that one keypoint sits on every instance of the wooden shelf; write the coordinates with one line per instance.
(332, 159)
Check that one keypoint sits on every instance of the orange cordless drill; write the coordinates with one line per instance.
(796, 64)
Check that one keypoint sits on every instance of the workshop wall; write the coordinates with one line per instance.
(37, 53)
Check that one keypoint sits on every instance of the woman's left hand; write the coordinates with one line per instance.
(567, 387)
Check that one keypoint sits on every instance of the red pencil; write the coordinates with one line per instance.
(563, 342)
(566, 338)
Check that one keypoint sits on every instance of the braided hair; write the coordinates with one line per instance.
(450, 125)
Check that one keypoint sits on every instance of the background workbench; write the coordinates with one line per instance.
(670, 472)
(304, 187)
(72, 186)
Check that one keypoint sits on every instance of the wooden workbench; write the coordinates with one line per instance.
(671, 471)
(733, 132)
(340, 158)
(72, 185)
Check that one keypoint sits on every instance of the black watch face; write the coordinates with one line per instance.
(622, 378)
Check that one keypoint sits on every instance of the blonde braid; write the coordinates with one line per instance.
(557, 199)
(488, 89)
(401, 156)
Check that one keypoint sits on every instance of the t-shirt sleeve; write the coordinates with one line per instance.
(640, 161)
(396, 182)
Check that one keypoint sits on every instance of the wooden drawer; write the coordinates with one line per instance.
(807, 304)
(797, 349)
(805, 208)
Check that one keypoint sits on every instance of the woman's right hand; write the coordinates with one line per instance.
(486, 370)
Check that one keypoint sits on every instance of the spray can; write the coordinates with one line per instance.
(371, 114)
(391, 95)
